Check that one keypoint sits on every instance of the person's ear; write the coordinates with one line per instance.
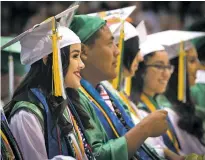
(84, 52)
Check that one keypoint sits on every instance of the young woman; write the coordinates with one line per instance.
(184, 117)
(131, 59)
(150, 80)
(47, 126)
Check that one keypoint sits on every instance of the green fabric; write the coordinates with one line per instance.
(194, 156)
(15, 51)
(85, 26)
(27, 106)
(115, 149)
(19, 69)
(163, 101)
(198, 42)
(14, 48)
(198, 94)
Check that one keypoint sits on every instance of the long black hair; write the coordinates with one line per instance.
(131, 48)
(40, 76)
(138, 81)
(188, 120)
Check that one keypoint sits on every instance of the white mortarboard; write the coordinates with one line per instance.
(37, 43)
(129, 31)
(148, 47)
(171, 40)
(117, 14)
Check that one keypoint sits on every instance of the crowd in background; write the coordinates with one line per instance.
(20, 15)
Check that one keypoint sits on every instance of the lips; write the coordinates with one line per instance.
(114, 64)
(164, 82)
(77, 73)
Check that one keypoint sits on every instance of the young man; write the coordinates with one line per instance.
(99, 55)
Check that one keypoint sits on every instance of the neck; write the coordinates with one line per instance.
(91, 76)
(148, 92)
(126, 73)
(191, 81)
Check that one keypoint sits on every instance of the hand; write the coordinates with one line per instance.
(171, 155)
(156, 123)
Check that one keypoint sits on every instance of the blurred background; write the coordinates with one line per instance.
(18, 16)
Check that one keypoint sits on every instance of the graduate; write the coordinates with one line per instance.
(152, 79)
(46, 117)
(123, 139)
(198, 89)
(131, 58)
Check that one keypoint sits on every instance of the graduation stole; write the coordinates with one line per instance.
(126, 100)
(5, 147)
(126, 93)
(51, 145)
(97, 104)
(153, 106)
(9, 147)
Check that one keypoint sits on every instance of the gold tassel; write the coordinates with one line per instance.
(57, 88)
(181, 73)
(116, 82)
(127, 86)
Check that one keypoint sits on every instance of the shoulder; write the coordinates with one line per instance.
(24, 109)
(86, 103)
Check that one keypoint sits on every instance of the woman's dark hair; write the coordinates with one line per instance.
(188, 120)
(131, 48)
(40, 76)
(137, 80)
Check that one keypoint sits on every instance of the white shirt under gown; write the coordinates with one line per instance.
(29, 135)
(188, 143)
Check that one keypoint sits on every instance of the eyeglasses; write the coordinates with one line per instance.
(162, 68)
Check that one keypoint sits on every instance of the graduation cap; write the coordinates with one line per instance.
(149, 47)
(115, 16)
(175, 43)
(43, 39)
(129, 32)
(171, 40)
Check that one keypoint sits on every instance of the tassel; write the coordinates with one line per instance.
(117, 80)
(58, 88)
(127, 86)
(182, 74)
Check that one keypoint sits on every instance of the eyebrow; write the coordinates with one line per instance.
(75, 51)
(161, 62)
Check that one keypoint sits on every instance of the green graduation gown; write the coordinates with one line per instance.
(103, 148)
(198, 94)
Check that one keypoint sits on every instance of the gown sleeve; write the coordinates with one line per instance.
(29, 135)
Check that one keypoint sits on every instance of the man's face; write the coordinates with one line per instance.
(102, 55)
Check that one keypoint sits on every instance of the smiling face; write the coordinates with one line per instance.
(192, 64)
(101, 57)
(156, 76)
(73, 77)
